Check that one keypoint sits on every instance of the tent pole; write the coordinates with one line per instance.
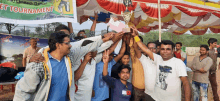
(159, 18)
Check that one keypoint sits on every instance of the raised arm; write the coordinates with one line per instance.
(92, 30)
(78, 73)
(141, 44)
(70, 27)
(137, 51)
(109, 80)
(121, 52)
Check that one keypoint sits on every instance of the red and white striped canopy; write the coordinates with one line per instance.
(178, 16)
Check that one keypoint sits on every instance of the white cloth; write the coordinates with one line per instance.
(168, 84)
(85, 83)
(183, 54)
(150, 73)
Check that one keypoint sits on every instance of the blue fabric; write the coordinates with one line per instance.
(114, 72)
(117, 87)
(19, 75)
(59, 81)
(185, 61)
(102, 17)
(99, 86)
(197, 87)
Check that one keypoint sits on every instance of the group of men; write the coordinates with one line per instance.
(86, 69)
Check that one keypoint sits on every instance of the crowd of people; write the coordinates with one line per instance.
(87, 69)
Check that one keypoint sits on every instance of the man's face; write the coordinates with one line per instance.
(124, 74)
(166, 52)
(152, 47)
(83, 34)
(178, 47)
(203, 51)
(213, 44)
(65, 46)
(65, 31)
(33, 42)
(125, 59)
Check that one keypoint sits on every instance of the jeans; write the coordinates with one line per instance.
(197, 86)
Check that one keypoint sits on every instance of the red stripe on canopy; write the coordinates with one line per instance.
(153, 11)
(114, 7)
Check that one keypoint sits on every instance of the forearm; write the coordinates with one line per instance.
(187, 91)
(70, 27)
(121, 52)
(105, 69)
(112, 48)
(93, 25)
(78, 73)
(137, 51)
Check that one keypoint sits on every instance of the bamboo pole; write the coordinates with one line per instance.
(159, 18)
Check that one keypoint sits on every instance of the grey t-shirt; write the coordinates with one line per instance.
(197, 64)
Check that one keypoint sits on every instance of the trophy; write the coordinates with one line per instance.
(127, 15)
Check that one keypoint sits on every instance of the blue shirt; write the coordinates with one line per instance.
(59, 80)
(119, 91)
(99, 86)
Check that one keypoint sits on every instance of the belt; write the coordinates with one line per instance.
(139, 89)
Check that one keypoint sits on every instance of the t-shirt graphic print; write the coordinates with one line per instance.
(164, 72)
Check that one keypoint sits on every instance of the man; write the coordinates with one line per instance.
(42, 81)
(170, 71)
(100, 86)
(212, 73)
(140, 92)
(121, 89)
(200, 66)
(179, 53)
(82, 34)
(30, 51)
(85, 73)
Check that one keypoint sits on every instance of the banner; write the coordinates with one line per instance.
(37, 11)
(12, 48)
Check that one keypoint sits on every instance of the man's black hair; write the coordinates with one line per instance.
(82, 31)
(157, 43)
(212, 40)
(57, 37)
(127, 53)
(168, 42)
(205, 46)
(141, 38)
(123, 67)
(60, 27)
(179, 43)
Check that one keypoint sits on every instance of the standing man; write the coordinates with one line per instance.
(30, 51)
(121, 89)
(170, 71)
(212, 73)
(179, 53)
(200, 66)
(138, 76)
(43, 81)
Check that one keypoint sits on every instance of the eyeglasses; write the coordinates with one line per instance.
(152, 48)
(67, 43)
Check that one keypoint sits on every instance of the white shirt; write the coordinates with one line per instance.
(150, 73)
(168, 84)
(85, 83)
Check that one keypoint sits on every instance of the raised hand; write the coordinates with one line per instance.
(117, 36)
(135, 31)
(88, 56)
(105, 57)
